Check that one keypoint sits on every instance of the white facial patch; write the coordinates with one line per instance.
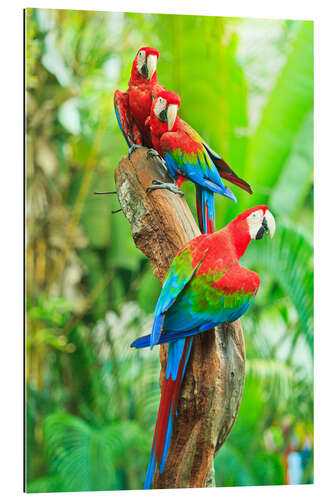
(254, 221)
(159, 106)
(141, 59)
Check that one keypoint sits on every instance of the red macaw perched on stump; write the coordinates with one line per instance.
(133, 107)
(185, 157)
(204, 287)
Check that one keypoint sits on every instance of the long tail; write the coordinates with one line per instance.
(225, 171)
(178, 355)
(205, 209)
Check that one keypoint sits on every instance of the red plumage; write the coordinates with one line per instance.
(133, 110)
(134, 104)
(227, 246)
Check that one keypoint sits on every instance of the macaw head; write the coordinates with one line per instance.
(165, 107)
(258, 221)
(253, 224)
(145, 62)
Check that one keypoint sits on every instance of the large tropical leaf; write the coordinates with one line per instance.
(276, 379)
(297, 174)
(289, 258)
(289, 103)
(87, 458)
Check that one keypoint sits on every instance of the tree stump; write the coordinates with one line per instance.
(161, 223)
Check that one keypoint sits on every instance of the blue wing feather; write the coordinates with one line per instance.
(204, 174)
(175, 281)
(175, 353)
(186, 327)
(121, 128)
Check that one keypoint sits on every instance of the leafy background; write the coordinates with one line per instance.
(247, 87)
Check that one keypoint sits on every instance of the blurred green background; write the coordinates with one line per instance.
(247, 87)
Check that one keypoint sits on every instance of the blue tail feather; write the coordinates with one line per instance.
(175, 352)
(150, 470)
(206, 209)
(162, 437)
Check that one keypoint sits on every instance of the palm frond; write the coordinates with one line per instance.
(86, 458)
(289, 258)
(276, 378)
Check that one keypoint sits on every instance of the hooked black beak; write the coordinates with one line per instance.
(267, 226)
(163, 115)
(144, 70)
(263, 229)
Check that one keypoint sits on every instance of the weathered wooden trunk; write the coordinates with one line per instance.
(161, 223)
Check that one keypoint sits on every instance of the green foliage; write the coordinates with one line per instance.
(296, 177)
(104, 443)
(289, 257)
(289, 103)
(247, 88)
(85, 458)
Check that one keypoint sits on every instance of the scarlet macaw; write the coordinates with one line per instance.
(204, 287)
(185, 156)
(133, 108)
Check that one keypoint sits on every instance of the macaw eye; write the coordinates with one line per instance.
(142, 53)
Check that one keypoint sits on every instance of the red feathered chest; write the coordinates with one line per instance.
(140, 100)
(219, 254)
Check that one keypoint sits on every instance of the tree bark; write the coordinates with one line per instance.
(161, 223)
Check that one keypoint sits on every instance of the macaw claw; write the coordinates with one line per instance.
(152, 153)
(157, 184)
(132, 149)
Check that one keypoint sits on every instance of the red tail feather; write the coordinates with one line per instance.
(178, 381)
(210, 223)
(232, 177)
(199, 213)
(226, 172)
(169, 399)
(203, 199)
(163, 420)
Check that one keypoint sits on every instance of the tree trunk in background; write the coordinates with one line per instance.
(161, 223)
